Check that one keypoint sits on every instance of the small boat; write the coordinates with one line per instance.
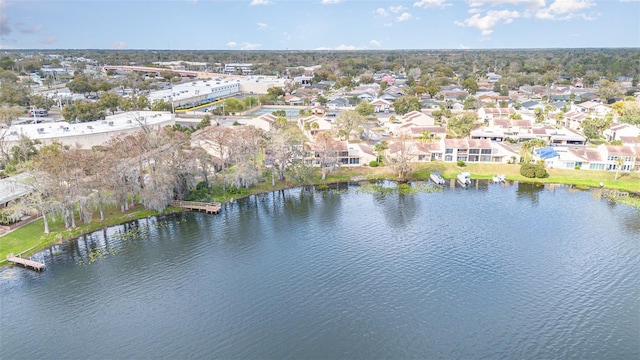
(499, 178)
(437, 178)
(464, 179)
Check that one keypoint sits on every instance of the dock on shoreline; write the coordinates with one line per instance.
(26, 263)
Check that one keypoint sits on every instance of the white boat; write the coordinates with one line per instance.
(464, 178)
(499, 178)
(437, 178)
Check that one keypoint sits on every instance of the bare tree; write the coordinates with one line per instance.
(325, 152)
(246, 147)
(403, 151)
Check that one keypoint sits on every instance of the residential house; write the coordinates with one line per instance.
(531, 105)
(430, 104)
(467, 150)
(573, 120)
(366, 96)
(311, 129)
(627, 153)
(354, 154)
(620, 131)
(381, 105)
(318, 110)
(264, 122)
(435, 132)
(593, 108)
(491, 133)
(417, 118)
(604, 157)
(493, 77)
(293, 99)
(428, 151)
(489, 115)
(338, 103)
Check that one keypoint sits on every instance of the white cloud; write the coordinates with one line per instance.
(375, 43)
(330, 1)
(404, 17)
(431, 3)
(462, 47)
(260, 2)
(262, 26)
(397, 9)
(50, 40)
(491, 19)
(381, 12)
(118, 45)
(249, 46)
(232, 44)
(565, 10)
(529, 4)
(388, 24)
(4, 25)
(341, 47)
(29, 30)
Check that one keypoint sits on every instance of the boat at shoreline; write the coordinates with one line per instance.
(437, 178)
(464, 178)
(500, 178)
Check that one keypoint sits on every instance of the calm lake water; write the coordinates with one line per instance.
(513, 271)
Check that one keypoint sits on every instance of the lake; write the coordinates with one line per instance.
(514, 271)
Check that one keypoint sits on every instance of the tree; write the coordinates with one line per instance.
(110, 101)
(326, 152)
(365, 108)
(460, 125)
(471, 85)
(402, 152)
(350, 123)
(433, 90)
(609, 90)
(594, 127)
(380, 147)
(471, 103)
(80, 84)
(619, 162)
(322, 100)
(406, 104)
(161, 105)
(539, 114)
(41, 102)
(275, 92)
(425, 136)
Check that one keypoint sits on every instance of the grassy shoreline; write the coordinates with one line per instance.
(30, 238)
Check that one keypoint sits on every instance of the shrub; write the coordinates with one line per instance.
(530, 170)
(461, 163)
(373, 163)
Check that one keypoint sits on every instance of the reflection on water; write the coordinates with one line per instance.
(492, 271)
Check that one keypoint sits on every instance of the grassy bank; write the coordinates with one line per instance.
(30, 238)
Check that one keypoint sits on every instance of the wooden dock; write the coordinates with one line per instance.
(29, 264)
(209, 208)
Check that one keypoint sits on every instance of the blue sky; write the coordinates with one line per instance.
(318, 24)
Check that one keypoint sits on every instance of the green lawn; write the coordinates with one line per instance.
(31, 237)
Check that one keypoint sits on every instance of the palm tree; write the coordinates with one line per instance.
(425, 136)
(379, 148)
(619, 162)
